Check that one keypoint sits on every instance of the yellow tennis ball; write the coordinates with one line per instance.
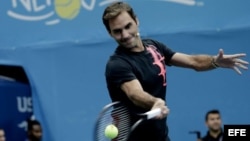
(111, 131)
(67, 9)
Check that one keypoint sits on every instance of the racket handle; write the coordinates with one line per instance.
(153, 113)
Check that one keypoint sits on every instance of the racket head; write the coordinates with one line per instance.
(117, 114)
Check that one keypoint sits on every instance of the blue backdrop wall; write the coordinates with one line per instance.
(63, 47)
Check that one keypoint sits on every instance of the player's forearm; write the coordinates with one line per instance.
(203, 62)
(139, 97)
(144, 100)
(197, 62)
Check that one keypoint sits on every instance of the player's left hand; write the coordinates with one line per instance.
(232, 61)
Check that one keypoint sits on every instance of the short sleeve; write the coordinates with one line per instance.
(118, 71)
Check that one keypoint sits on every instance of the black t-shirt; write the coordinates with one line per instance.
(149, 68)
(208, 137)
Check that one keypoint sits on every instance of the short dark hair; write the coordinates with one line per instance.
(31, 123)
(113, 10)
(213, 111)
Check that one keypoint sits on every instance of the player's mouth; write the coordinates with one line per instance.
(128, 40)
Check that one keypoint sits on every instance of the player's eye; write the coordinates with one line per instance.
(117, 31)
(128, 26)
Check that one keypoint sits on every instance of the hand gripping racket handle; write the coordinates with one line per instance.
(153, 113)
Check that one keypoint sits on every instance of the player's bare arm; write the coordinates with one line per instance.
(139, 97)
(196, 62)
(207, 62)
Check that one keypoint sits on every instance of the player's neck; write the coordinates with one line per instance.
(139, 47)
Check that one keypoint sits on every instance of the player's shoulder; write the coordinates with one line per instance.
(119, 55)
(150, 41)
(117, 63)
(117, 59)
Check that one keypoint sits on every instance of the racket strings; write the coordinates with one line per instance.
(118, 116)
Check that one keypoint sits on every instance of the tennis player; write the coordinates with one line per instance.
(136, 72)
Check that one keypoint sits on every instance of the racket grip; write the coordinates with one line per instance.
(153, 113)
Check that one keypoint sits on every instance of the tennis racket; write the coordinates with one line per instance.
(118, 114)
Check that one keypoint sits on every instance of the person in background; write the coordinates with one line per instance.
(214, 124)
(2, 135)
(34, 131)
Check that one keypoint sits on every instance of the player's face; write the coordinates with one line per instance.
(214, 122)
(36, 133)
(2, 135)
(124, 30)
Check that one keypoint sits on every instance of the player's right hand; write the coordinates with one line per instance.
(162, 105)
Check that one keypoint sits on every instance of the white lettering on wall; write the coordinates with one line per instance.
(24, 104)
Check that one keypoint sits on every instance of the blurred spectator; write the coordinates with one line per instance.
(214, 124)
(2, 135)
(34, 132)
